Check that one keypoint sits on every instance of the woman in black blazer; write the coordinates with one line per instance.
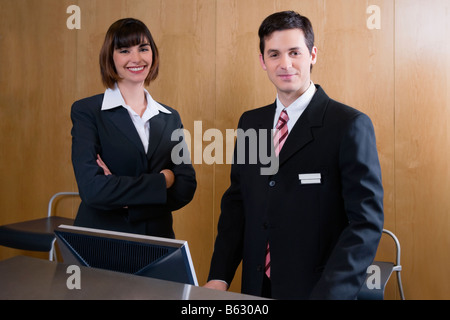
(122, 142)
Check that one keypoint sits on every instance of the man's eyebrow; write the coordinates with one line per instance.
(290, 49)
(272, 51)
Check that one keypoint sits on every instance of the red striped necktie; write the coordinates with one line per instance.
(281, 132)
(279, 138)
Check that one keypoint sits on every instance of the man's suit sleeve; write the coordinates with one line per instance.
(362, 192)
(229, 242)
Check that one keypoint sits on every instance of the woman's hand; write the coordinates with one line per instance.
(170, 177)
(102, 165)
(168, 174)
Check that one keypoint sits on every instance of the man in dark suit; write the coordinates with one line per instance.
(310, 229)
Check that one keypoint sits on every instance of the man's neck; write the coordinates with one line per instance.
(287, 98)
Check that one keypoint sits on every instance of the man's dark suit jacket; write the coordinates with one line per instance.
(134, 198)
(322, 236)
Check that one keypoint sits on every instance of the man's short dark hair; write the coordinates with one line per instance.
(286, 20)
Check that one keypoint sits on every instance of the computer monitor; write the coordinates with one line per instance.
(153, 257)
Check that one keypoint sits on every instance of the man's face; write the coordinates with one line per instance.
(288, 61)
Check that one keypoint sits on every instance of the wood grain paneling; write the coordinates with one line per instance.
(36, 80)
(187, 82)
(422, 144)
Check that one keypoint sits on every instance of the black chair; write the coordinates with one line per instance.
(375, 291)
(38, 234)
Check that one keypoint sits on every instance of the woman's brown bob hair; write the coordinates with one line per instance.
(126, 33)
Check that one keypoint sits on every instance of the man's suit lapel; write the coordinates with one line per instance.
(266, 119)
(301, 134)
(122, 120)
(266, 125)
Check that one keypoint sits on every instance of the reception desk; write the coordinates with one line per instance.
(28, 278)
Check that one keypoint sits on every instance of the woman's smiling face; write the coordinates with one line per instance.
(133, 63)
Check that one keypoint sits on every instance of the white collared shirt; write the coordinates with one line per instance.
(296, 109)
(113, 98)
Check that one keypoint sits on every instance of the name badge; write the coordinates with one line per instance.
(310, 178)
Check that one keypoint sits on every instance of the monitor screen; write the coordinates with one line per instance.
(153, 257)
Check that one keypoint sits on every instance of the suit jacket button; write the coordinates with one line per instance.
(272, 183)
(259, 268)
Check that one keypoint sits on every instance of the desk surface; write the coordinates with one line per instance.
(34, 279)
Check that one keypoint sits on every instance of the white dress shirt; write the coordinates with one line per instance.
(297, 107)
(113, 98)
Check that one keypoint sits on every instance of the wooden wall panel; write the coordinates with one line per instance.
(422, 143)
(187, 82)
(36, 79)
